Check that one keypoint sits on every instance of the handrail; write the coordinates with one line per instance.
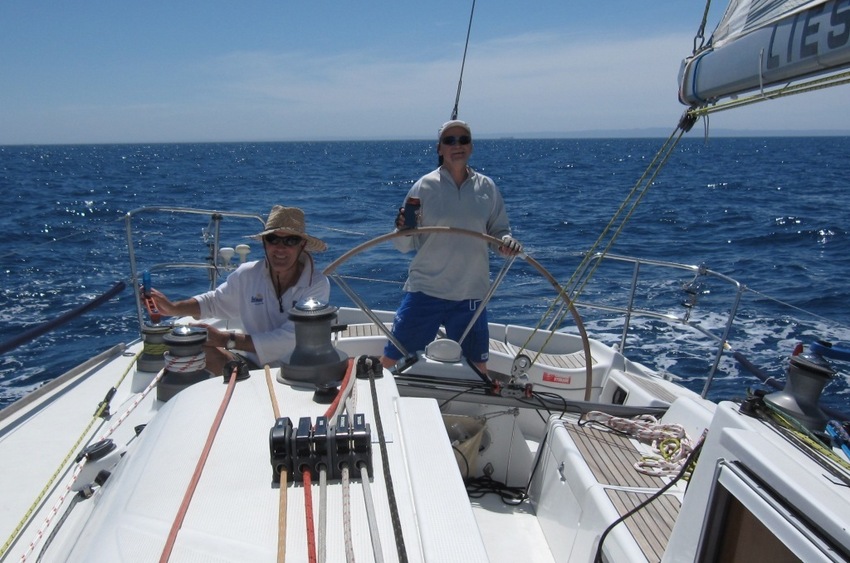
(630, 311)
(212, 266)
(33, 333)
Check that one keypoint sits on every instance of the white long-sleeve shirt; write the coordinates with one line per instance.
(448, 266)
(249, 296)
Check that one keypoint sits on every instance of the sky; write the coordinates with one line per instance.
(112, 71)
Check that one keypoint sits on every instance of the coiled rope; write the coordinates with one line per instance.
(670, 442)
(185, 364)
(154, 349)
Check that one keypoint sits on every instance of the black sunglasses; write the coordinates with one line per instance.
(289, 240)
(452, 140)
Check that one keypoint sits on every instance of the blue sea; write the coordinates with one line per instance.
(770, 212)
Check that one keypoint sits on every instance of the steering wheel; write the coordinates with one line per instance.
(332, 267)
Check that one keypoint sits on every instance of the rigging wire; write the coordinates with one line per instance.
(593, 257)
(463, 62)
(699, 38)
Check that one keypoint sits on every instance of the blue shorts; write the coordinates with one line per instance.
(419, 318)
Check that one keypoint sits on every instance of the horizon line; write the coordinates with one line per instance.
(647, 132)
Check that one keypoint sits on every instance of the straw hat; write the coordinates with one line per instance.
(290, 220)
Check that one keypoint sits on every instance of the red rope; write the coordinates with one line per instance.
(308, 509)
(308, 489)
(199, 468)
(342, 387)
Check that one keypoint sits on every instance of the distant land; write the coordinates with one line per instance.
(697, 132)
(642, 133)
(655, 132)
(645, 133)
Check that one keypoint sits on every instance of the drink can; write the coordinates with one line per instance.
(411, 212)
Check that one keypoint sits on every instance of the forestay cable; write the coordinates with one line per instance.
(584, 272)
(463, 61)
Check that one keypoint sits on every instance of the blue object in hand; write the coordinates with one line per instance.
(146, 283)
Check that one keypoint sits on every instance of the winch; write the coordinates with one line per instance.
(805, 379)
(185, 360)
(314, 362)
(153, 334)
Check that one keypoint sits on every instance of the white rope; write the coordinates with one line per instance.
(345, 392)
(670, 443)
(351, 402)
(79, 467)
(323, 514)
(174, 364)
(370, 514)
(346, 515)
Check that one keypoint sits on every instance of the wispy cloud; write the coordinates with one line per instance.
(532, 83)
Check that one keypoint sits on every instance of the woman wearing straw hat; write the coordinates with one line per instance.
(260, 294)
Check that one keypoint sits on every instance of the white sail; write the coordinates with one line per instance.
(760, 43)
